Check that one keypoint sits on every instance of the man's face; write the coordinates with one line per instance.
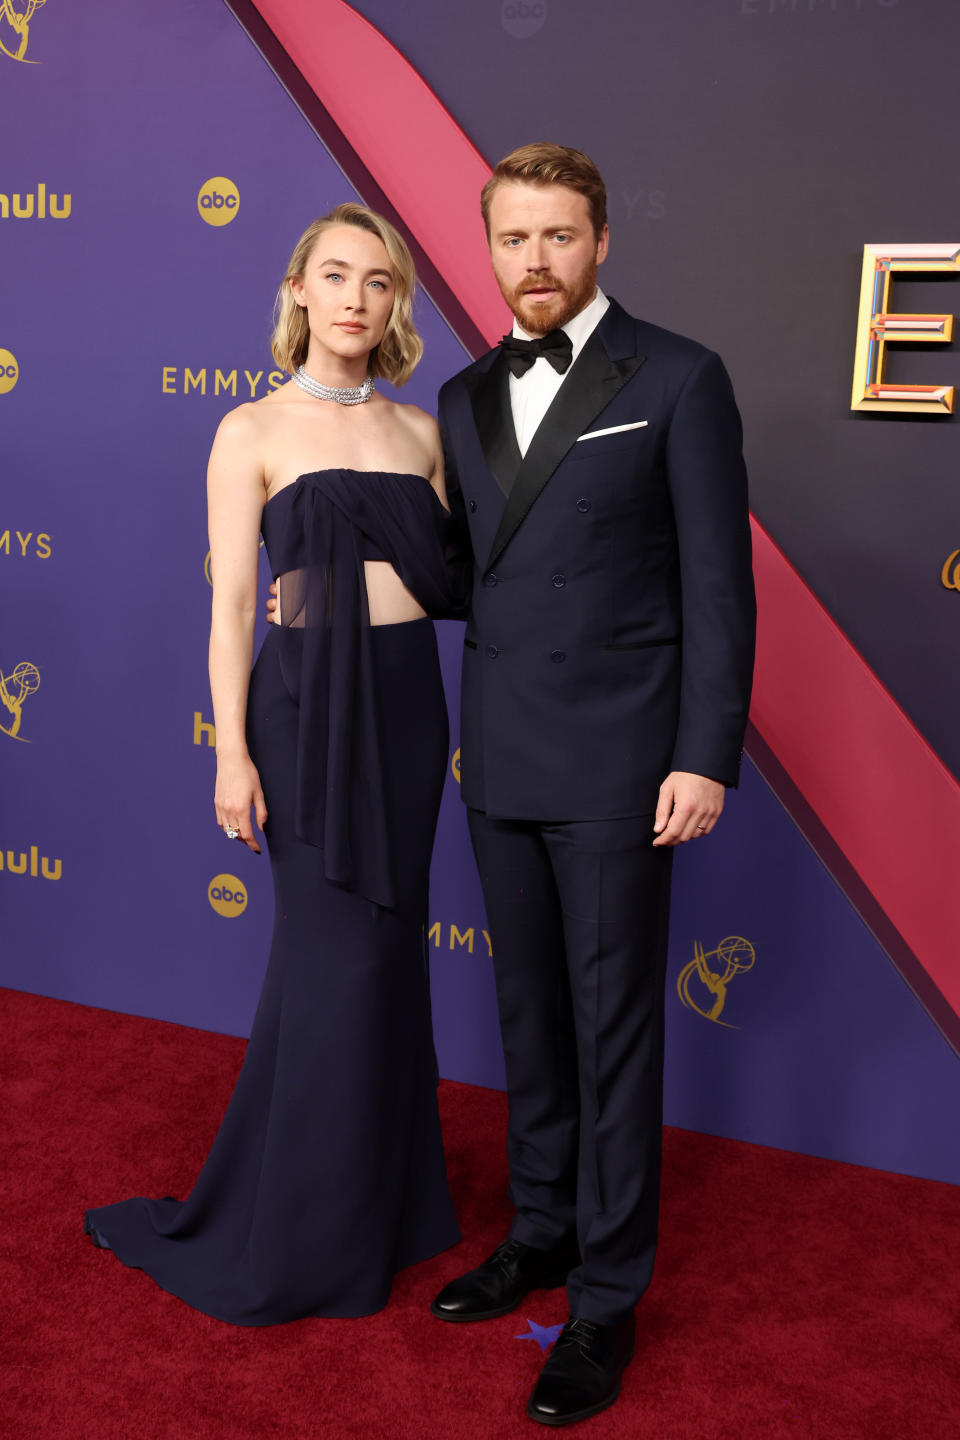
(544, 251)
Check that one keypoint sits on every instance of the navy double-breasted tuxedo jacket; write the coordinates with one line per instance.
(611, 630)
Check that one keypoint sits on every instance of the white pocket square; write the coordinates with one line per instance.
(612, 430)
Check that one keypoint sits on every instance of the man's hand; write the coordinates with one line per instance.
(272, 603)
(689, 807)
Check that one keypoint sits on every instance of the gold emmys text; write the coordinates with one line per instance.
(41, 544)
(181, 380)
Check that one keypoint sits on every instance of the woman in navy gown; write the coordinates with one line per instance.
(327, 1174)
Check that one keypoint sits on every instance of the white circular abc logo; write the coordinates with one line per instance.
(218, 200)
(521, 18)
(9, 371)
(227, 896)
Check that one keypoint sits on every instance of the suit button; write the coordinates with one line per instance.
(473, 506)
(582, 505)
(490, 579)
(559, 581)
(492, 652)
(557, 656)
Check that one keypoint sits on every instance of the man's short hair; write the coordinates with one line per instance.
(544, 163)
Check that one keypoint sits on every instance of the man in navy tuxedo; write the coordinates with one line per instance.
(606, 681)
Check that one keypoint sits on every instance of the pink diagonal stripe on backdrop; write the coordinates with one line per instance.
(885, 796)
(413, 148)
(881, 791)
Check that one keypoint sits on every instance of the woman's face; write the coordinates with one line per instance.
(348, 290)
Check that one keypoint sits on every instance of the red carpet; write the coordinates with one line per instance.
(792, 1297)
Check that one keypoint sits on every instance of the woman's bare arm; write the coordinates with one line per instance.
(430, 431)
(235, 496)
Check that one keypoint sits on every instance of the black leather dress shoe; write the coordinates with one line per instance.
(581, 1375)
(498, 1285)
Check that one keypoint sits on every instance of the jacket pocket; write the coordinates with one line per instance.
(642, 644)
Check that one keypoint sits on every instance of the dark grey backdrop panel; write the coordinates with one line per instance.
(751, 148)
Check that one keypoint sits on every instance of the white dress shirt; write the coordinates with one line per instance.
(532, 394)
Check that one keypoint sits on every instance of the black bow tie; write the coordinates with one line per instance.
(557, 347)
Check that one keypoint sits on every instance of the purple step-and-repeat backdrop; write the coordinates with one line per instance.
(159, 179)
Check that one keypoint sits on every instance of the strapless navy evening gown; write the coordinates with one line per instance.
(327, 1174)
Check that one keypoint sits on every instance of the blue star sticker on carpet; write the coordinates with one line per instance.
(543, 1334)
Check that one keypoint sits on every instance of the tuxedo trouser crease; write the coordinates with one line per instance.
(578, 916)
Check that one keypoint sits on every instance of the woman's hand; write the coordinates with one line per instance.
(239, 788)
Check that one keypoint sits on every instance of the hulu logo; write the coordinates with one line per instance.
(33, 864)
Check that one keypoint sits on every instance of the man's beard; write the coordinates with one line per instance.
(541, 318)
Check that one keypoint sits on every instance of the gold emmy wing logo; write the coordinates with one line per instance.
(9, 371)
(23, 680)
(218, 201)
(208, 572)
(17, 20)
(227, 896)
(950, 574)
(703, 988)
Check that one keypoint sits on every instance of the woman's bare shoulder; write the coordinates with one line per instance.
(253, 416)
(251, 426)
(423, 433)
(418, 420)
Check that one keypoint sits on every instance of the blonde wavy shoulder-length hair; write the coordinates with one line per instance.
(396, 357)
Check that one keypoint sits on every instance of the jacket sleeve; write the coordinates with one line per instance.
(707, 480)
(458, 547)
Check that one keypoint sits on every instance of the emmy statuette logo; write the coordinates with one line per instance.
(227, 896)
(703, 988)
(23, 680)
(9, 371)
(950, 574)
(218, 201)
(15, 20)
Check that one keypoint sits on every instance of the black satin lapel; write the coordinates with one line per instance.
(591, 384)
(493, 417)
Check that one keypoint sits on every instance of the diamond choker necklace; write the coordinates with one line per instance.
(341, 395)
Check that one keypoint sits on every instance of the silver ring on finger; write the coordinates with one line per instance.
(231, 832)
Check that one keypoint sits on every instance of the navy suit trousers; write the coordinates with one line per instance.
(578, 914)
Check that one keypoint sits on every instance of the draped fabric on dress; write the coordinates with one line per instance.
(322, 592)
(327, 1175)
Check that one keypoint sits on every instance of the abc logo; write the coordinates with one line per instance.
(455, 765)
(218, 201)
(208, 569)
(9, 371)
(227, 896)
(521, 18)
